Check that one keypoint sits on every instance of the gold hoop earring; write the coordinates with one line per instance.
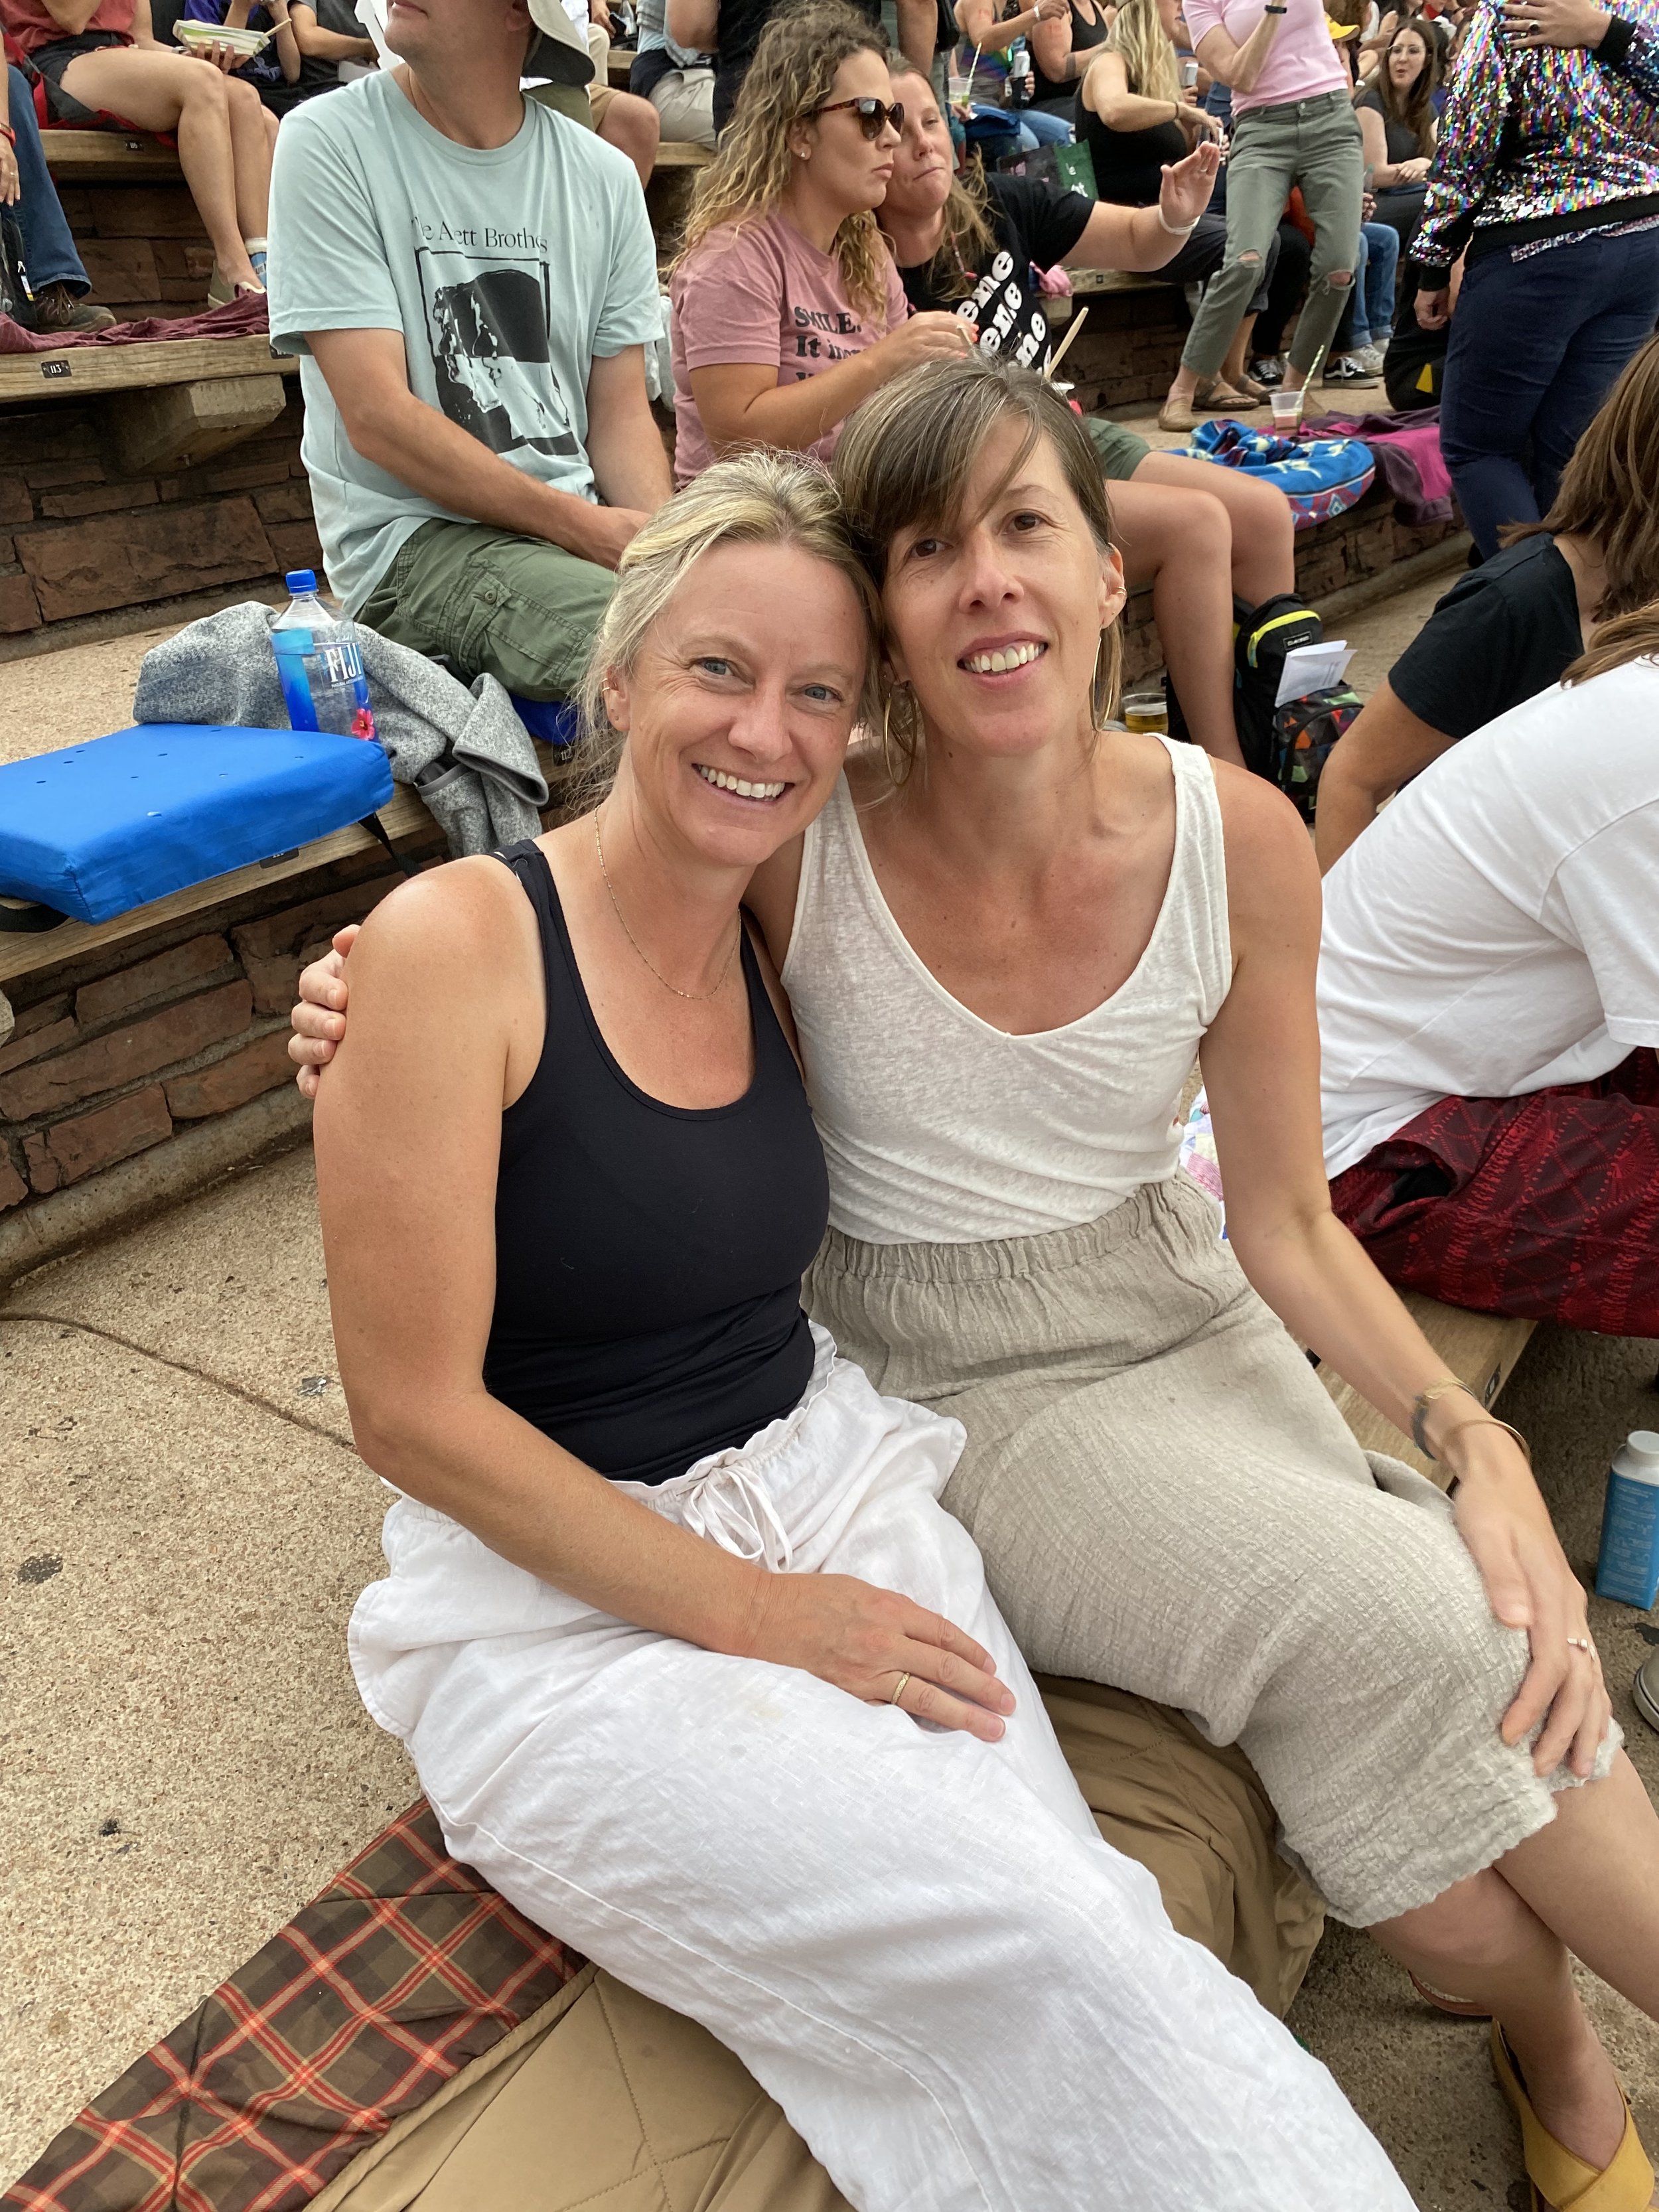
(895, 776)
(1099, 684)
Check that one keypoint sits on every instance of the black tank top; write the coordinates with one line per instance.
(648, 1257)
(1129, 164)
(1055, 94)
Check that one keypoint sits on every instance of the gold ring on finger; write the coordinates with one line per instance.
(899, 1688)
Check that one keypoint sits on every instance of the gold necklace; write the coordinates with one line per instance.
(700, 996)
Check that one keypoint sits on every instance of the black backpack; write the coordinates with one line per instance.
(1286, 745)
(16, 298)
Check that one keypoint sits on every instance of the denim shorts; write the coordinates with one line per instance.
(49, 62)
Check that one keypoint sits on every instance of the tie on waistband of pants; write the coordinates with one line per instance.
(732, 1506)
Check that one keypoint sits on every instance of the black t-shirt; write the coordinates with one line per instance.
(1033, 224)
(737, 34)
(1503, 633)
(1129, 164)
(1401, 139)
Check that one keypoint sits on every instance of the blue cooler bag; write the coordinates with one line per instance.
(99, 828)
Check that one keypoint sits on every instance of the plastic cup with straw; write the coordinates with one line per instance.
(965, 103)
(1288, 406)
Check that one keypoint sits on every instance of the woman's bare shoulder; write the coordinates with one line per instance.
(461, 935)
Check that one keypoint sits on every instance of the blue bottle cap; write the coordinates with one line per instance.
(301, 579)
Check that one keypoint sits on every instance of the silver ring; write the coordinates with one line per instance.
(1581, 1643)
(902, 1685)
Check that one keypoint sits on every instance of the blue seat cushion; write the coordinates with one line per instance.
(100, 828)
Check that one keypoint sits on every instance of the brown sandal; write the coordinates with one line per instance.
(1442, 2001)
(1216, 398)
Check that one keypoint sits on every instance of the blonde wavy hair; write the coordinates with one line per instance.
(791, 76)
(760, 497)
(1149, 57)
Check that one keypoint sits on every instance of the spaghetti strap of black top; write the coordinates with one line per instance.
(648, 1257)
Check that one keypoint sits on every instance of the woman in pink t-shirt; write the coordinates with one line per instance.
(787, 309)
(1294, 124)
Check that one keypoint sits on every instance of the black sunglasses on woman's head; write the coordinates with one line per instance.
(873, 115)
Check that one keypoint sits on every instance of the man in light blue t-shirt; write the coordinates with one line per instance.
(470, 281)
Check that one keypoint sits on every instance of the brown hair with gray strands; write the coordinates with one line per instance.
(905, 462)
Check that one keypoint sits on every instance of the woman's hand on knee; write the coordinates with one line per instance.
(872, 1642)
(1506, 1525)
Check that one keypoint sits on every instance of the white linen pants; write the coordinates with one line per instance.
(916, 1942)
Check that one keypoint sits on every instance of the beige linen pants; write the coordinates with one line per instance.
(1167, 1500)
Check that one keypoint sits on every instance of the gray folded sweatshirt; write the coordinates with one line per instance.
(465, 752)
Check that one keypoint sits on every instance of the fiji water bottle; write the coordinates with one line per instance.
(1628, 1568)
(319, 663)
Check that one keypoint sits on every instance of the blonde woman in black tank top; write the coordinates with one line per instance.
(670, 1584)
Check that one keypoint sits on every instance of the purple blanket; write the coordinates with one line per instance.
(244, 318)
(1407, 446)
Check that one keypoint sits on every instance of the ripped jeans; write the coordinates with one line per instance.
(1314, 143)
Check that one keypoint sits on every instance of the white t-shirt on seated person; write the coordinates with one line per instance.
(506, 268)
(1301, 63)
(1496, 929)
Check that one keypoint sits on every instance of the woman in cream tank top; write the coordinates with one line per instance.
(938, 1128)
(1005, 940)
(1001, 972)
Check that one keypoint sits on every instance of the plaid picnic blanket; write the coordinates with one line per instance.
(404, 1970)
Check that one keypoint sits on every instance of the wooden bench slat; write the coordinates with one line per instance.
(108, 157)
(94, 157)
(136, 367)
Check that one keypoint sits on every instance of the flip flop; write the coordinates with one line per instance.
(1561, 2181)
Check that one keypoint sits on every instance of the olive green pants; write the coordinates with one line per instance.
(1311, 143)
(514, 608)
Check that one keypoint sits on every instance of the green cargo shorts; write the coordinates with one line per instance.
(1121, 452)
(516, 609)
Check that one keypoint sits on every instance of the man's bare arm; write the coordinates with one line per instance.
(630, 462)
(918, 28)
(316, 39)
(367, 373)
(694, 24)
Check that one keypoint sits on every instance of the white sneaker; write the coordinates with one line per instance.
(1371, 357)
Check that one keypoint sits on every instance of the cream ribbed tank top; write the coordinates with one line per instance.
(940, 1129)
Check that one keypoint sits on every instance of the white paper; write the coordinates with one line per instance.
(1313, 668)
